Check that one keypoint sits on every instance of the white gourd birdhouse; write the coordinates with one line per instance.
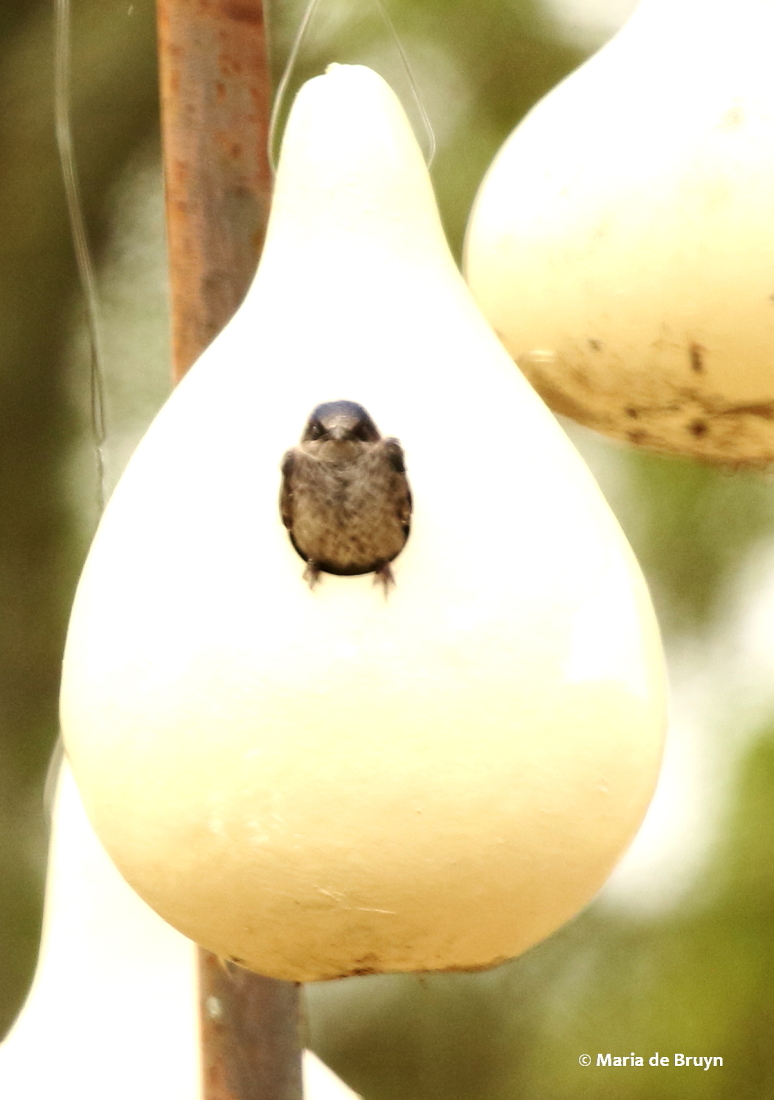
(333, 780)
(622, 243)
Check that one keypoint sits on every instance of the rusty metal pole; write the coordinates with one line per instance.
(215, 101)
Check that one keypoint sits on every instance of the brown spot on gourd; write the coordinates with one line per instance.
(368, 964)
(765, 410)
(696, 357)
(595, 345)
(698, 428)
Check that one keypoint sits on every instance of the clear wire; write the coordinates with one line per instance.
(80, 239)
(290, 65)
(287, 72)
(430, 155)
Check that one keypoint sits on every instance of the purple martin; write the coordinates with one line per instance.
(345, 499)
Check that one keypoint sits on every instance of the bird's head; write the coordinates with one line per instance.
(340, 422)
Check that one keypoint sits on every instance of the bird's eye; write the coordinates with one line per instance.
(315, 430)
(366, 431)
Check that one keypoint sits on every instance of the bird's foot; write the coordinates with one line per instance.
(383, 575)
(312, 574)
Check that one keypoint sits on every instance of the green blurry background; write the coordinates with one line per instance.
(677, 954)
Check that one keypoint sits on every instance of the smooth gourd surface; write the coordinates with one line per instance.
(622, 243)
(328, 782)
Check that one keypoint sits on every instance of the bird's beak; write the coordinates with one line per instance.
(342, 428)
